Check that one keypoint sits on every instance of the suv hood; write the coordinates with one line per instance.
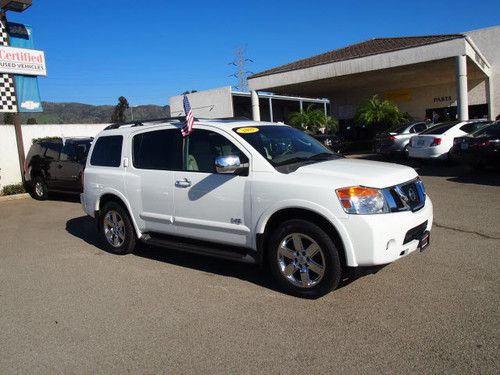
(349, 172)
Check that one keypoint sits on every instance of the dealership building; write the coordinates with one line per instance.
(455, 76)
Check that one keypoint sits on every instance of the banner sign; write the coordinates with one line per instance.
(28, 94)
(22, 61)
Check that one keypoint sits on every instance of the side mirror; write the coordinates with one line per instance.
(229, 164)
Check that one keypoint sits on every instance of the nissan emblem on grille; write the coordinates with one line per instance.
(412, 194)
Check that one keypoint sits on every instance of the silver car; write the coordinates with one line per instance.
(395, 142)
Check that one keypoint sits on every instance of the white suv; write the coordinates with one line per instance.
(254, 192)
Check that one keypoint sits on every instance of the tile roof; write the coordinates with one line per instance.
(362, 49)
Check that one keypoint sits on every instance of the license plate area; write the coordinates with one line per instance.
(464, 146)
(424, 241)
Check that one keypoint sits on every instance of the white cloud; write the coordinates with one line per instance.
(30, 105)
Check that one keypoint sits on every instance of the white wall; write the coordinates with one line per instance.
(9, 162)
(214, 103)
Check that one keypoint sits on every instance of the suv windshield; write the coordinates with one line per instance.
(282, 145)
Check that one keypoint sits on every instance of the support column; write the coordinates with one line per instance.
(489, 98)
(271, 109)
(462, 90)
(324, 107)
(301, 106)
(255, 106)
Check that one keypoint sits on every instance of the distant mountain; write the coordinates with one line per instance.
(78, 113)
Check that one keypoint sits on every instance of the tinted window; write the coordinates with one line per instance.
(53, 150)
(82, 150)
(107, 151)
(472, 127)
(160, 149)
(418, 128)
(36, 150)
(440, 128)
(68, 152)
(204, 146)
(489, 131)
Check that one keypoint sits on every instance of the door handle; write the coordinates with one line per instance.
(183, 183)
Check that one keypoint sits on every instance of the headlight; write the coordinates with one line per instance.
(362, 200)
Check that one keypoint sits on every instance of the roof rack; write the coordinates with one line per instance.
(141, 122)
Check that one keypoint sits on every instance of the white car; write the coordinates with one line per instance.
(436, 142)
(254, 192)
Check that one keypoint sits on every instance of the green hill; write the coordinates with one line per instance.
(78, 113)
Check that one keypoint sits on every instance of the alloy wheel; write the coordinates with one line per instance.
(301, 260)
(114, 228)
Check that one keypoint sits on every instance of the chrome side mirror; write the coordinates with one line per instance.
(228, 164)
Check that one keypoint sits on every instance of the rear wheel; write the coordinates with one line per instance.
(39, 190)
(116, 229)
(303, 259)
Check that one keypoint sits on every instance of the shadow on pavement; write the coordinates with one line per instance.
(453, 172)
(62, 197)
(84, 228)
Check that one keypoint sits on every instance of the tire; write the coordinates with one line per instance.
(116, 229)
(406, 152)
(39, 190)
(298, 273)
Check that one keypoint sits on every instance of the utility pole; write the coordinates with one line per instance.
(241, 73)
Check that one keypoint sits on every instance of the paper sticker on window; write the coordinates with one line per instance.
(247, 130)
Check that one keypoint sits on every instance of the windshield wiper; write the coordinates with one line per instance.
(291, 161)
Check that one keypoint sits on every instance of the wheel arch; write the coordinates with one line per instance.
(336, 232)
(114, 196)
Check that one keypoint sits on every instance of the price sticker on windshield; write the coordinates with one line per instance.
(247, 130)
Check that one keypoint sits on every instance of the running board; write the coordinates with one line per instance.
(239, 254)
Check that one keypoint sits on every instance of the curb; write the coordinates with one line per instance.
(14, 197)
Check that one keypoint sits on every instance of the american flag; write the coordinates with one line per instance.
(188, 125)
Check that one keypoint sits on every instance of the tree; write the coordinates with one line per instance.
(312, 119)
(31, 121)
(9, 118)
(119, 111)
(381, 114)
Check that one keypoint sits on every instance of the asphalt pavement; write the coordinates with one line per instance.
(67, 306)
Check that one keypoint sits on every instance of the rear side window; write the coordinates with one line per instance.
(53, 149)
(472, 127)
(418, 128)
(489, 131)
(107, 151)
(440, 128)
(160, 150)
(37, 150)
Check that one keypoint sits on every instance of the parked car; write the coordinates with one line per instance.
(436, 142)
(396, 142)
(331, 141)
(254, 192)
(480, 148)
(55, 165)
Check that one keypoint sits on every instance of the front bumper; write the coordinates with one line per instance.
(380, 239)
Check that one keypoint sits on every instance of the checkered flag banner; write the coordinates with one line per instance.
(8, 102)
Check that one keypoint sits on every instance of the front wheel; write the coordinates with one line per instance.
(303, 259)
(116, 229)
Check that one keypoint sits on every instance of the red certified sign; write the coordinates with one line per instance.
(22, 61)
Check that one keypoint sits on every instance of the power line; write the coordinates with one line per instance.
(241, 73)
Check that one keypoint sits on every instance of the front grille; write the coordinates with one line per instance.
(409, 196)
(415, 233)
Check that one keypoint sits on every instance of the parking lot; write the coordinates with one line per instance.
(67, 306)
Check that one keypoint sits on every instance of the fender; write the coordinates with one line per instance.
(118, 194)
(317, 209)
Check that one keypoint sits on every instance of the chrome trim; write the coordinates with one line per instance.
(402, 196)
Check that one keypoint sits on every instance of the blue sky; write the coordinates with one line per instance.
(98, 50)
